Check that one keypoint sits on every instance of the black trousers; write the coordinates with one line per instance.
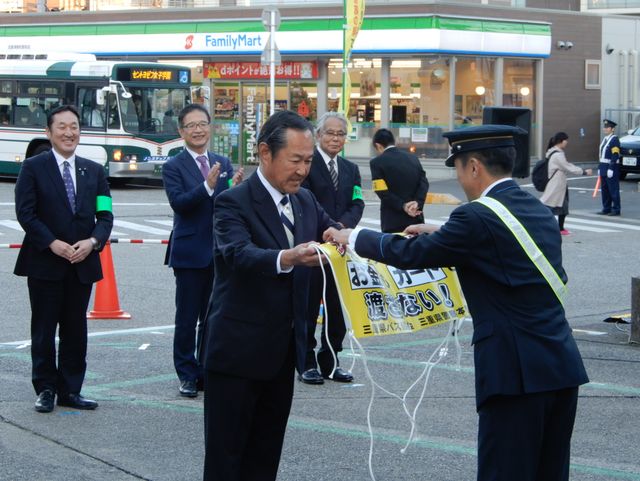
(60, 304)
(527, 437)
(245, 422)
(336, 329)
(193, 290)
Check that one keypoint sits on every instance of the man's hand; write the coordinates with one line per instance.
(301, 255)
(81, 250)
(62, 249)
(411, 208)
(417, 229)
(238, 177)
(336, 236)
(609, 173)
(212, 177)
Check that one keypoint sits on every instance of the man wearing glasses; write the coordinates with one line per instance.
(335, 182)
(192, 180)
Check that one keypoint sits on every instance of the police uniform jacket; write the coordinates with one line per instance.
(609, 155)
(522, 340)
(398, 178)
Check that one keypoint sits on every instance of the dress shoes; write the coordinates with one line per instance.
(613, 213)
(44, 403)
(311, 376)
(603, 212)
(188, 389)
(76, 401)
(340, 375)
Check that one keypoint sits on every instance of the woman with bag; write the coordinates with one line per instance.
(556, 193)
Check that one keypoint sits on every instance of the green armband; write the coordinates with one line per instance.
(357, 192)
(103, 203)
(230, 183)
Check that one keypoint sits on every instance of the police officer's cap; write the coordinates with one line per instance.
(609, 123)
(482, 137)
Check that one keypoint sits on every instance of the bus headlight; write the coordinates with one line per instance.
(117, 155)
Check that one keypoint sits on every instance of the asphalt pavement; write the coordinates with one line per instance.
(143, 430)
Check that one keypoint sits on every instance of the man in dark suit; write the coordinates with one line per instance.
(257, 322)
(527, 364)
(335, 182)
(399, 180)
(64, 206)
(192, 181)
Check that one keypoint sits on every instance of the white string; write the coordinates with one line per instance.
(441, 351)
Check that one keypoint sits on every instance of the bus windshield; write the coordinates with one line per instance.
(152, 110)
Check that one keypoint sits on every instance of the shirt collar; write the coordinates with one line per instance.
(327, 157)
(275, 194)
(499, 181)
(61, 160)
(194, 154)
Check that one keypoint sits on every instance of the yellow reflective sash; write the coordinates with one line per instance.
(528, 245)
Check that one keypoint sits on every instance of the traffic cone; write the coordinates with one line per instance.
(106, 304)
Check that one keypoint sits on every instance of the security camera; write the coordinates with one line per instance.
(561, 44)
(609, 49)
(568, 45)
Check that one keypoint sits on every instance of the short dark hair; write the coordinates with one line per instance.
(498, 161)
(60, 109)
(274, 131)
(384, 137)
(192, 108)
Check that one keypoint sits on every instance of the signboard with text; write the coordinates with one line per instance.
(255, 71)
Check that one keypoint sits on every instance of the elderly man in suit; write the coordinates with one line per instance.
(257, 323)
(192, 181)
(399, 180)
(527, 364)
(335, 181)
(64, 206)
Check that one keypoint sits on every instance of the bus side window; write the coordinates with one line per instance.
(112, 112)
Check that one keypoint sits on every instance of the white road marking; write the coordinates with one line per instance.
(139, 227)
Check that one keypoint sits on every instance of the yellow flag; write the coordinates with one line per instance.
(354, 15)
(379, 300)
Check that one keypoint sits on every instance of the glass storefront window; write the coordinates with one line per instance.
(475, 89)
(519, 90)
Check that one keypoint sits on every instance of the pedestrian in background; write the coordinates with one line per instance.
(257, 324)
(556, 192)
(399, 181)
(335, 181)
(63, 204)
(527, 364)
(192, 180)
(609, 169)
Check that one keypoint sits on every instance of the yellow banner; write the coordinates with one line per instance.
(379, 300)
(354, 16)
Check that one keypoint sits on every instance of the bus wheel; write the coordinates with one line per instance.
(41, 148)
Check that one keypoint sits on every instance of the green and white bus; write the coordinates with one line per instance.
(128, 110)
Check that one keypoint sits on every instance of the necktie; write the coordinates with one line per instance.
(333, 173)
(68, 186)
(286, 216)
(204, 165)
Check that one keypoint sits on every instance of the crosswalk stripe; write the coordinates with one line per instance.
(603, 223)
(162, 222)
(11, 224)
(139, 227)
(587, 228)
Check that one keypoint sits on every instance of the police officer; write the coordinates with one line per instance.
(609, 169)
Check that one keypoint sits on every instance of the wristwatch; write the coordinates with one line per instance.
(95, 243)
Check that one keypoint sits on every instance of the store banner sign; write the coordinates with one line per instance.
(256, 71)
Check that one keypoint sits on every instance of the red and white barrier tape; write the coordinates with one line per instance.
(113, 240)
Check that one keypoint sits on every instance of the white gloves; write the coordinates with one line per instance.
(609, 173)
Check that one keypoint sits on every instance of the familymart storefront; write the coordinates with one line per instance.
(418, 75)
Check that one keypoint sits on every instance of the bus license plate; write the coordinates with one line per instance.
(631, 161)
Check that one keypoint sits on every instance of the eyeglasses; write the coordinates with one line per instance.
(331, 133)
(195, 125)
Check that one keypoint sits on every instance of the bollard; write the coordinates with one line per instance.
(634, 335)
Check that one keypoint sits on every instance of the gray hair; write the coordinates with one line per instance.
(330, 115)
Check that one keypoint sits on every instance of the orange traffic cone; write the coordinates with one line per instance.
(106, 304)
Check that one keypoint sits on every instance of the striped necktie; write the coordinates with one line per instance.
(333, 173)
(286, 216)
(68, 186)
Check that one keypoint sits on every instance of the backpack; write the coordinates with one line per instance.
(540, 173)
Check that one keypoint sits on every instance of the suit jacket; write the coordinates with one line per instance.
(522, 340)
(249, 327)
(44, 212)
(191, 241)
(405, 180)
(344, 205)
